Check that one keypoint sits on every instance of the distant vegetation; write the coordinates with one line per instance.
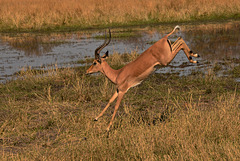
(78, 14)
(48, 115)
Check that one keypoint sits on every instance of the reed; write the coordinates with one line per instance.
(55, 14)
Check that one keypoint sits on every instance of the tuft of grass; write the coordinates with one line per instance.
(117, 60)
(121, 34)
(236, 71)
(48, 115)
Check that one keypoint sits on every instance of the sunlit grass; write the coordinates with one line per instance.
(48, 115)
(55, 14)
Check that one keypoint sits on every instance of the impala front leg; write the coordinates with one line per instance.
(120, 96)
(110, 101)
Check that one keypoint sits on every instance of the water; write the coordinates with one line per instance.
(214, 42)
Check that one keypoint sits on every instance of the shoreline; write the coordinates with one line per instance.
(73, 28)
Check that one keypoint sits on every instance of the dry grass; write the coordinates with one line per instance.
(44, 14)
(48, 115)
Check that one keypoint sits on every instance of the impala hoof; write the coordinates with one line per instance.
(194, 55)
(95, 119)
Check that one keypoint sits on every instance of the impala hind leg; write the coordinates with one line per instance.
(110, 101)
(180, 44)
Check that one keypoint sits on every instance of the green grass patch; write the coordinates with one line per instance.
(235, 71)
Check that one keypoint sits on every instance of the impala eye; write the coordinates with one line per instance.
(94, 63)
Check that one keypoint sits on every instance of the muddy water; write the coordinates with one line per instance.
(215, 42)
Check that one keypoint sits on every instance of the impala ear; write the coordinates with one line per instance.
(105, 55)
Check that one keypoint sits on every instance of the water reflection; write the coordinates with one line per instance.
(34, 44)
(214, 42)
(29, 45)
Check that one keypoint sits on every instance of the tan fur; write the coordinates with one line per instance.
(132, 74)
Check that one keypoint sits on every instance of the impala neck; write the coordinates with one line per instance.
(110, 73)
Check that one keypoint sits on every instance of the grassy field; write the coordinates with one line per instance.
(48, 115)
(45, 15)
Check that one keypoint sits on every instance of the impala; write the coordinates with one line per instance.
(132, 74)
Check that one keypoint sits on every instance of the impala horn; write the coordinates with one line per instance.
(98, 50)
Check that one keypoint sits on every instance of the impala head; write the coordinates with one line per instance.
(97, 63)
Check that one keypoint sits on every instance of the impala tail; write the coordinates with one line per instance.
(176, 27)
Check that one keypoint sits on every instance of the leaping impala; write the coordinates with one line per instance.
(132, 74)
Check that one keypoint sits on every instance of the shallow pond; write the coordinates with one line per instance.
(216, 43)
